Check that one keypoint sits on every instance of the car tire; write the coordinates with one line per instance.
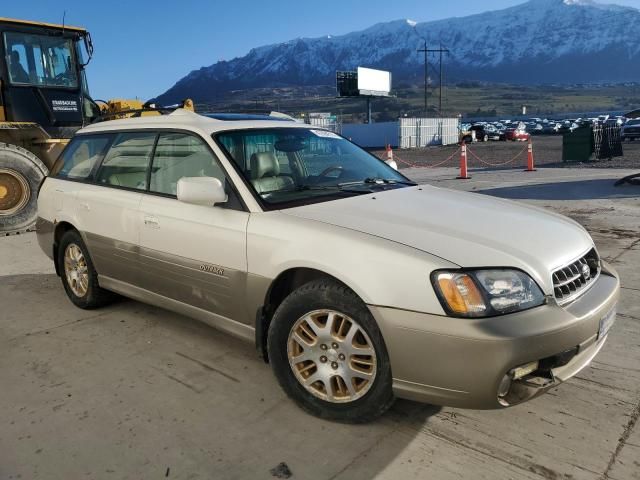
(336, 305)
(79, 277)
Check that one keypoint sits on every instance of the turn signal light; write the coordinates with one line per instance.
(461, 293)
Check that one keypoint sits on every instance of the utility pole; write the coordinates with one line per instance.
(441, 79)
(426, 52)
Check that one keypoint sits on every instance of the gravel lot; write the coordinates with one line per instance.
(547, 153)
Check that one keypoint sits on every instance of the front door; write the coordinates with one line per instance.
(193, 254)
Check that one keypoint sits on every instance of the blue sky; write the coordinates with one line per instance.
(142, 47)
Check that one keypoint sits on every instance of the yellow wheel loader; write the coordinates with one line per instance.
(44, 100)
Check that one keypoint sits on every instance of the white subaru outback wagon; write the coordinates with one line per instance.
(357, 285)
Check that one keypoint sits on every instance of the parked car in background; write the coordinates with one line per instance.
(515, 135)
(631, 130)
(536, 129)
(479, 133)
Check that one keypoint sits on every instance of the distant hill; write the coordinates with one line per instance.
(541, 41)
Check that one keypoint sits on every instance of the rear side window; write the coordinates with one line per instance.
(179, 155)
(81, 156)
(126, 164)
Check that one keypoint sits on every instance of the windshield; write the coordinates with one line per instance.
(299, 165)
(40, 60)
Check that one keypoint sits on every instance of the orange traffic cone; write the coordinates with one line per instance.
(463, 163)
(530, 167)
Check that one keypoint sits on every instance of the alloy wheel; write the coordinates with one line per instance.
(332, 356)
(76, 271)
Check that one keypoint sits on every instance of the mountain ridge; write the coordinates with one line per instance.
(540, 41)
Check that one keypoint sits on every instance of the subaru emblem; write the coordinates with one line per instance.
(586, 271)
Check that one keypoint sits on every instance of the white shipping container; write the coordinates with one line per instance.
(423, 132)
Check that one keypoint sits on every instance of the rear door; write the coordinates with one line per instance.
(193, 254)
(107, 210)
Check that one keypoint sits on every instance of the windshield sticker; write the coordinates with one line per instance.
(325, 134)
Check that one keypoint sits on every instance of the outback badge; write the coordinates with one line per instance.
(212, 269)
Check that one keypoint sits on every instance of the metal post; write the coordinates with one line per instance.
(440, 103)
(369, 110)
(425, 50)
(426, 78)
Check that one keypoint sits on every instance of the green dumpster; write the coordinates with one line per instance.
(577, 146)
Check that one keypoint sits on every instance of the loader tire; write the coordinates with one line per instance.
(21, 174)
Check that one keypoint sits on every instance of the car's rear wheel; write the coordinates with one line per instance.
(328, 354)
(79, 277)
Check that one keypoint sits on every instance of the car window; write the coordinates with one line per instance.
(126, 164)
(284, 165)
(179, 155)
(244, 147)
(78, 160)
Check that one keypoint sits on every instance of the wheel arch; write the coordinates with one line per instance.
(284, 284)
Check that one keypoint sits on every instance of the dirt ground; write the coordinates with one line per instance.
(547, 153)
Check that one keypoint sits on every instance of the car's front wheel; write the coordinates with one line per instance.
(328, 354)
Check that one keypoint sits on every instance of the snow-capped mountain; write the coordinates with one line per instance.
(541, 41)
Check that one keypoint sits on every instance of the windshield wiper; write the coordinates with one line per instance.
(335, 188)
(378, 181)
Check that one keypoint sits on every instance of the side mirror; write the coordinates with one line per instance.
(206, 191)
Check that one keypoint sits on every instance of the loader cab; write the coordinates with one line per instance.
(42, 77)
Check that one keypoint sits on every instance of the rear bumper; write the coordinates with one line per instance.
(45, 231)
(462, 362)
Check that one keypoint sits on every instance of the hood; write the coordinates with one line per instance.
(467, 229)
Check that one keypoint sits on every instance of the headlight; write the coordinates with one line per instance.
(486, 293)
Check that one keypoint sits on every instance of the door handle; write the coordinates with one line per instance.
(151, 222)
(85, 206)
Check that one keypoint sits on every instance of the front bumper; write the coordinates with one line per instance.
(461, 362)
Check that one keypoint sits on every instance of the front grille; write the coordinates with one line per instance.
(572, 280)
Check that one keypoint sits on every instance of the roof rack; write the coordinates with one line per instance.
(249, 115)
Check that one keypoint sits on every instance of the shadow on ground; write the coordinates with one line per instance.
(576, 190)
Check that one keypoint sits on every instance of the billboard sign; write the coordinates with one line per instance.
(374, 82)
(365, 82)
